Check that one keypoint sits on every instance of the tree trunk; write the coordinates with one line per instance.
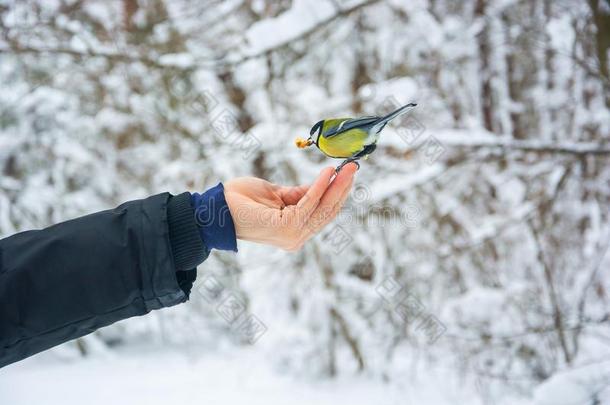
(484, 68)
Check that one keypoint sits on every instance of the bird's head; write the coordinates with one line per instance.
(314, 133)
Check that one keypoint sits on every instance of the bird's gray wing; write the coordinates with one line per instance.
(364, 123)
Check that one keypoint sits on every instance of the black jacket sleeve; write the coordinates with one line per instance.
(70, 279)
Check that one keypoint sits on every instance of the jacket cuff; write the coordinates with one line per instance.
(214, 219)
(187, 247)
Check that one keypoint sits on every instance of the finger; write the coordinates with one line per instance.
(334, 197)
(325, 216)
(292, 195)
(338, 187)
(314, 226)
(310, 200)
(346, 193)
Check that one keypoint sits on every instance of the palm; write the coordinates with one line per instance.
(260, 192)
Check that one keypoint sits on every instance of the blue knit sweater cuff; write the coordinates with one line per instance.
(214, 219)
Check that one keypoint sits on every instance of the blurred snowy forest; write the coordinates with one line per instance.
(475, 240)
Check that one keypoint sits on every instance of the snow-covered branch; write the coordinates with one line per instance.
(464, 140)
(574, 148)
(304, 34)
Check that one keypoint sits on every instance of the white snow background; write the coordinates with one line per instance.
(469, 265)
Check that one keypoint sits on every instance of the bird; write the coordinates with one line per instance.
(349, 138)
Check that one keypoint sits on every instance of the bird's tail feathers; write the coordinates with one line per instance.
(385, 119)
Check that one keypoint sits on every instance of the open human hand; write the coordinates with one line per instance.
(287, 217)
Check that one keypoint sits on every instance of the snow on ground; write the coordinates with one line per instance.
(228, 376)
(151, 374)
(576, 387)
(172, 377)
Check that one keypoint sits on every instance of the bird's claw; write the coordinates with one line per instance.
(338, 169)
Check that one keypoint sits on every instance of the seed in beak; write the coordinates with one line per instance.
(303, 143)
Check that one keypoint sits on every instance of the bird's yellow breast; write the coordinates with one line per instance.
(344, 145)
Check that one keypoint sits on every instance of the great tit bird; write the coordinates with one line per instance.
(349, 138)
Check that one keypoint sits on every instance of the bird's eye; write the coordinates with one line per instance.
(316, 127)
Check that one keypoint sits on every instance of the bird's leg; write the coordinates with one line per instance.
(364, 153)
(346, 161)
